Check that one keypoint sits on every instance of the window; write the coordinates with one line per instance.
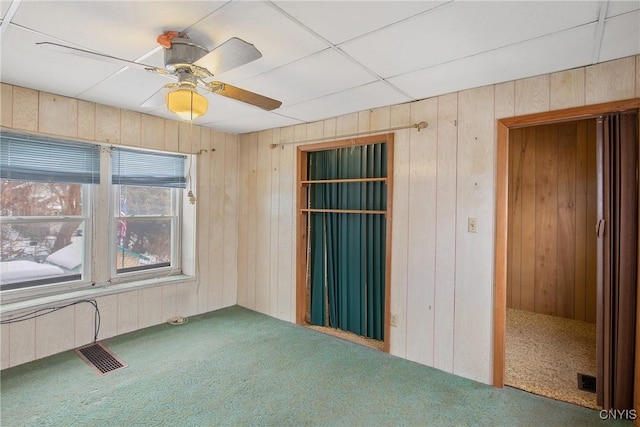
(146, 214)
(51, 204)
(45, 189)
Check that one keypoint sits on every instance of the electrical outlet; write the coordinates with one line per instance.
(472, 225)
(394, 319)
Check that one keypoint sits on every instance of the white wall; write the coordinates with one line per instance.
(442, 276)
(216, 192)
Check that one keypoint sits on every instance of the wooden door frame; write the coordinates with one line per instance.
(502, 216)
(301, 223)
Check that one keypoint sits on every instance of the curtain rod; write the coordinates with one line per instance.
(418, 126)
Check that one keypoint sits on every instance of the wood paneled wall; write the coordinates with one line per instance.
(552, 220)
(216, 218)
(442, 275)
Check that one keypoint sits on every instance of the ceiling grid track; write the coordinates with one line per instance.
(599, 32)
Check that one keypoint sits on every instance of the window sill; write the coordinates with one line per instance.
(18, 307)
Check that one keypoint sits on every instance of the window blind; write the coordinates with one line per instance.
(134, 167)
(37, 158)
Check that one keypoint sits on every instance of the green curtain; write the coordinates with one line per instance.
(348, 251)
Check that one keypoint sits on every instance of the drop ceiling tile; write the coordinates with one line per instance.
(4, 7)
(346, 20)
(253, 123)
(127, 89)
(278, 38)
(25, 64)
(372, 95)
(621, 36)
(618, 7)
(118, 28)
(317, 75)
(548, 54)
(461, 29)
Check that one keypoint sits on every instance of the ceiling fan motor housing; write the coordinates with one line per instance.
(183, 53)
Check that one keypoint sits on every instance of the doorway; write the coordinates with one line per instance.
(552, 268)
(344, 194)
(615, 322)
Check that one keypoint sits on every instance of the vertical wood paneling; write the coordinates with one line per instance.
(364, 120)
(108, 306)
(505, 100)
(168, 305)
(188, 137)
(346, 124)
(84, 324)
(57, 115)
(548, 232)
(565, 286)
(5, 346)
(445, 256)
(252, 143)
(215, 217)
(86, 120)
(475, 196)
(128, 304)
(107, 124)
(25, 109)
(514, 255)
(610, 81)
(274, 226)
(567, 89)
(581, 222)
(203, 223)
(532, 95)
(546, 273)
(399, 243)
(6, 105)
(380, 118)
(422, 239)
(22, 336)
(130, 128)
(171, 135)
(54, 332)
(263, 222)
(243, 220)
(637, 76)
(152, 132)
(528, 189)
(149, 307)
(592, 211)
(230, 230)
(286, 226)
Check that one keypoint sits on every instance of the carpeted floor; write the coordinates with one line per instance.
(237, 367)
(544, 354)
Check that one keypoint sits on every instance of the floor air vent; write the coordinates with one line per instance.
(587, 383)
(100, 358)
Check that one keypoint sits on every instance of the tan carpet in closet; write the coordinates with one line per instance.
(545, 353)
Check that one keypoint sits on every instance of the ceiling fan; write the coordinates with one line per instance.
(193, 67)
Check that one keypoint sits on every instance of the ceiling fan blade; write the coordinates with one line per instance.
(230, 54)
(158, 99)
(252, 98)
(93, 55)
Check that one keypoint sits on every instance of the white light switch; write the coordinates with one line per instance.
(472, 225)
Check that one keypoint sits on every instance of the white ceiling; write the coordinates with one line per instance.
(320, 58)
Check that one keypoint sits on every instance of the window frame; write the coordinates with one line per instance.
(99, 223)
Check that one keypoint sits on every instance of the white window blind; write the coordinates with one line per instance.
(144, 168)
(41, 159)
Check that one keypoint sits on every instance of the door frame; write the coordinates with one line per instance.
(301, 224)
(502, 216)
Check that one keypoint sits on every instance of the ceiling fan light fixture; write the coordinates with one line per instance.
(187, 103)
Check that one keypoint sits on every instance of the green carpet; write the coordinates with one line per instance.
(237, 367)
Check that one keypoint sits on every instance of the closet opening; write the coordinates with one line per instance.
(344, 191)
